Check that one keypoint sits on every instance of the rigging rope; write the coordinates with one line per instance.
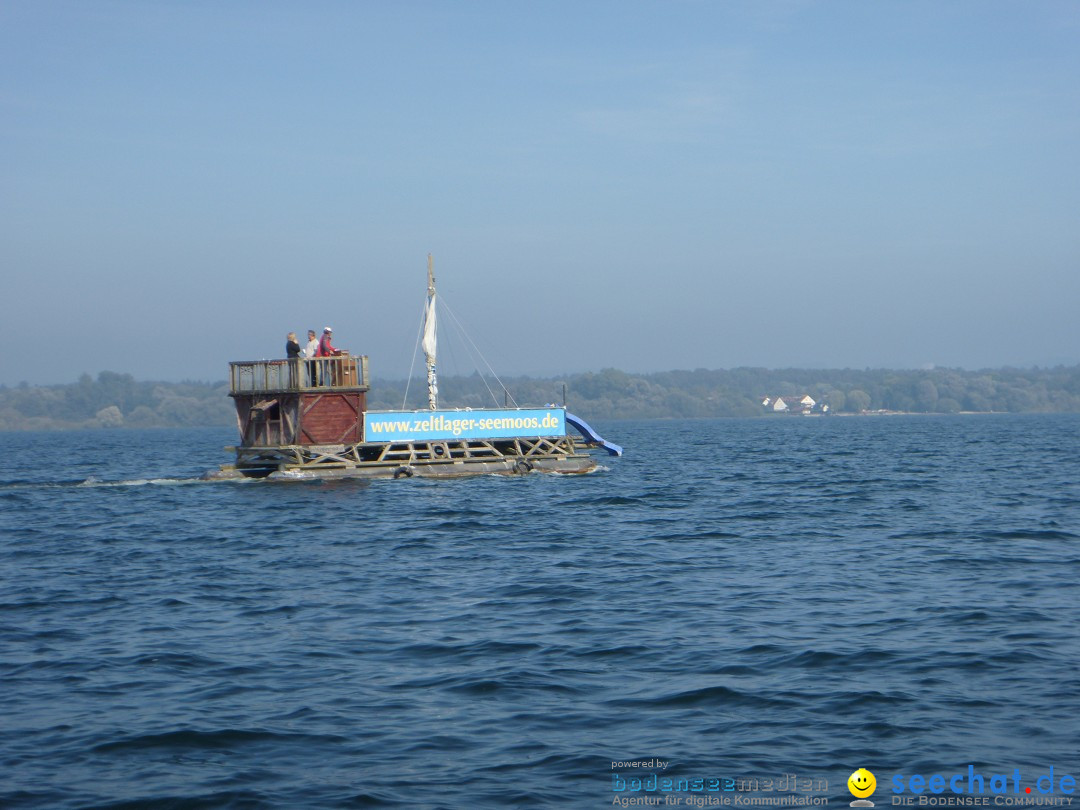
(480, 354)
(442, 304)
(412, 365)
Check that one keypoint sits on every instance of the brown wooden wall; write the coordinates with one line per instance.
(331, 417)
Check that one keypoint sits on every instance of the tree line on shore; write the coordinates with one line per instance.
(114, 400)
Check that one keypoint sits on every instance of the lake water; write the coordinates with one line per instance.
(737, 598)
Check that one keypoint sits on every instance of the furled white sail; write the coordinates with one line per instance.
(429, 329)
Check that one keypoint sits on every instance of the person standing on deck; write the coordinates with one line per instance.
(292, 346)
(326, 349)
(310, 351)
(292, 354)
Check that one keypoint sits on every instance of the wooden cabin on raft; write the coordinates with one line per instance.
(300, 402)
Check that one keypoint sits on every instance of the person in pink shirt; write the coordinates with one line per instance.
(326, 349)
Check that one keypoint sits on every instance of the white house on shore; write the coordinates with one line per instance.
(803, 404)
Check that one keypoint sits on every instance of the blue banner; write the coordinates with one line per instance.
(409, 426)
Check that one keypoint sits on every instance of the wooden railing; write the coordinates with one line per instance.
(322, 373)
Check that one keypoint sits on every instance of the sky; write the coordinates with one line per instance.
(635, 185)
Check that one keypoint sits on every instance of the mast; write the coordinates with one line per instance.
(429, 338)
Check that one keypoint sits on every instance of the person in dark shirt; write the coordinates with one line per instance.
(292, 346)
(292, 352)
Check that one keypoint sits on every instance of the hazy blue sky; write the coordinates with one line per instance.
(643, 185)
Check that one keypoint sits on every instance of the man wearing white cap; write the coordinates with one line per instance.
(326, 349)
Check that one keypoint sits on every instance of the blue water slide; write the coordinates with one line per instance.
(590, 434)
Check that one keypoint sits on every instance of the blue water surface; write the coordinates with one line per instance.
(734, 597)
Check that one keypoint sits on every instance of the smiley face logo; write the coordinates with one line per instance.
(861, 783)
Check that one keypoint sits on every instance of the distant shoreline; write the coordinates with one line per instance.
(90, 426)
(113, 400)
